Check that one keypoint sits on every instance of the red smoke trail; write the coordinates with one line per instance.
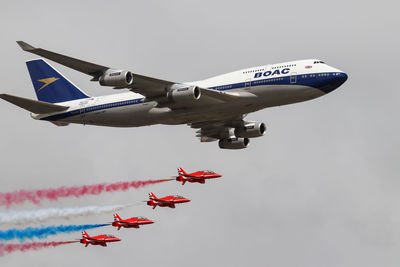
(36, 196)
(9, 248)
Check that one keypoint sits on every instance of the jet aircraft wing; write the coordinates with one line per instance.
(195, 178)
(127, 223)
(218, 129)
(162, 201)
(144, 85)
(95, 239)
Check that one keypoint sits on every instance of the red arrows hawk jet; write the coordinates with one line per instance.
(101, 240)
(195, 177)
(133, 222)
(168, 201)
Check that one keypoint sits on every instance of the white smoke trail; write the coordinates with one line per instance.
(38, 216)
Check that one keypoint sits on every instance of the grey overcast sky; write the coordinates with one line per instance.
(321, 188)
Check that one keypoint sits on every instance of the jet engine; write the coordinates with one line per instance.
(233, 143)
(252, 129)
(116, 78)
(186, 94)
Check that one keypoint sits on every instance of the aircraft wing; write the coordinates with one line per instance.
(147, 86)
(127, 223)
(195, 178)
(94, 240)
(212, 130)
(162, 201)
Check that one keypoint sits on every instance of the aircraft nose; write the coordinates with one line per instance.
(341, 78)
(333, 82)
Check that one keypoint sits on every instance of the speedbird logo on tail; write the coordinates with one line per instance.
(47, 81)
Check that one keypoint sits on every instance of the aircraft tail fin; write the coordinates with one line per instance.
(84, 234)
(50, 85)
(33, 106)
(181, 171)
(116, 217)
(152, 196)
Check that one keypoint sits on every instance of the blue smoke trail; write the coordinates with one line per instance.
(43, 232)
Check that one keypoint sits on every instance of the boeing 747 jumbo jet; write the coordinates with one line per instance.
(215, 106)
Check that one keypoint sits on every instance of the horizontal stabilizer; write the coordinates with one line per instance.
(33, 106)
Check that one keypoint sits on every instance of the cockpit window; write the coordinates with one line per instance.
(208, 171)
(317, 62)
(177, 196)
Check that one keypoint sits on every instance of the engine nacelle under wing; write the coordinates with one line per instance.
(233, 143)
(250, 130)
(116, 78)
(186, 94)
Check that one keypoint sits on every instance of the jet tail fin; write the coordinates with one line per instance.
(50, 85)
(116, 217)
(181, 171)
(84, 234)
(33, 106)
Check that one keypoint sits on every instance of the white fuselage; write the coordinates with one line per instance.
(259, 87)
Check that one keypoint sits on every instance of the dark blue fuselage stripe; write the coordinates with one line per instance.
(311, 80)
(94, 108)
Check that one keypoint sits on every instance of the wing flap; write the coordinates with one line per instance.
(33, 106)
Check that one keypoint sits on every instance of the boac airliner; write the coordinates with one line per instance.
(215, 106)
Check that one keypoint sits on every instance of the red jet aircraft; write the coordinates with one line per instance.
(195, 177)
(133, 222)
(168, 201)
(101, 240)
